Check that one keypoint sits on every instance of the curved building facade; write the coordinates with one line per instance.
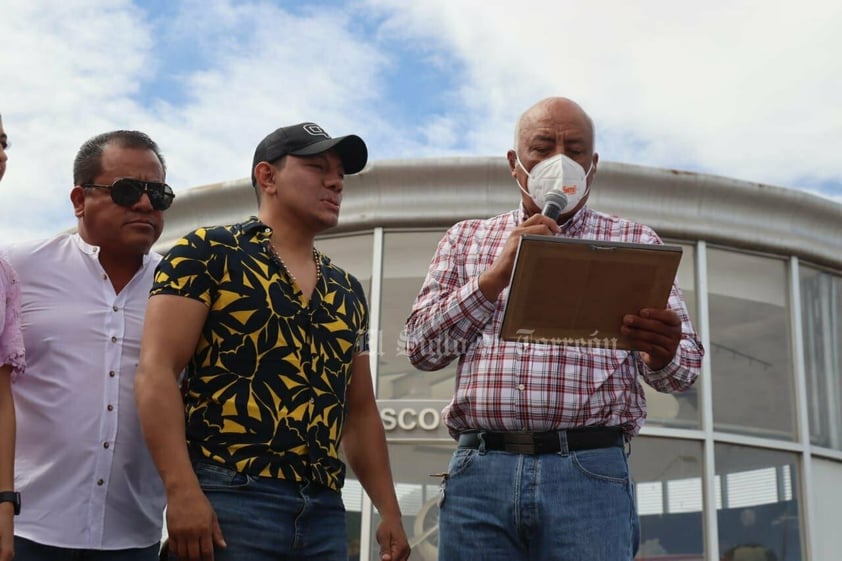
(748, 462)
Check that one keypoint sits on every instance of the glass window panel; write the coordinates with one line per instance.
(750, 354)
(650, 498)
(686, 278)
(351, 253)
(685, 495)
(678, 409)
(821, 324)
(827, 496)
(752, 487)
(352, 495)
(760, 509)
(786, 479)
(407, 256)
(418, 495)
(668, 485)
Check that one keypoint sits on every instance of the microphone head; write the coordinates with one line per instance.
(555, 201)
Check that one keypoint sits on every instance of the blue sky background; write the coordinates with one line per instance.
(742, 88)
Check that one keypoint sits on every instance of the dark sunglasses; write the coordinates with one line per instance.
(127, 192)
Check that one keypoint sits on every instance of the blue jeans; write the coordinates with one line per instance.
(567, 506)
(27, 550)
(266, 519)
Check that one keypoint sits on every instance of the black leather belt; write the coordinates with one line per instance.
(586, 438)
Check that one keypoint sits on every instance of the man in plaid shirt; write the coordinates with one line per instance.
(541, 470)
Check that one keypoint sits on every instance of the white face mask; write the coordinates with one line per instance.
(559, 173)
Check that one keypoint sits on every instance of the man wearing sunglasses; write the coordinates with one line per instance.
(88, 482)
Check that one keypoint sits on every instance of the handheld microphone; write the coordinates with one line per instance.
(555, 203)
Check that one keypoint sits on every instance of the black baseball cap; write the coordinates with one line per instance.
(309, 139)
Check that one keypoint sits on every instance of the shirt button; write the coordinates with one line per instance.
(106, 445)
(113, 339)
(521, 387)
(110, 407)
(104, 277)
(115, 308)
(112, 374)
(100, 482)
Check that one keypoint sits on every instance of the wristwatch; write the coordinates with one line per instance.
(11, 497)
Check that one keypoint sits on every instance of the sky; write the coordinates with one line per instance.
(749, 89)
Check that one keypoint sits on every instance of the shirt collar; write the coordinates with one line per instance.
(93, 250)
(257, 232)
(253, 224)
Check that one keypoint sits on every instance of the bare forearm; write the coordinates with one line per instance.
(161, 412)
(364, 444)
(7, 434)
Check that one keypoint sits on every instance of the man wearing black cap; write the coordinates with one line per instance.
(274, 340)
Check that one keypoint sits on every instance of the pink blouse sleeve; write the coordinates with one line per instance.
(11, 339)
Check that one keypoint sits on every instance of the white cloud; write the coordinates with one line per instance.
(265, 75)
(267, 68)
(68, 72)
(746, 88)
(743, 88)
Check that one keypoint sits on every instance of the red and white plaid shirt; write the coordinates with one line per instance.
(509, 386)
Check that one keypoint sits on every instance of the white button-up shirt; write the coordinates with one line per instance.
(85, 475)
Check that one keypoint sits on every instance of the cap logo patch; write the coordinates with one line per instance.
(315, 130)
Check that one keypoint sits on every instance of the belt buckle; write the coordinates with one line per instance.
(520, 442)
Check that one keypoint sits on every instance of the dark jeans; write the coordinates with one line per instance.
(27, 550)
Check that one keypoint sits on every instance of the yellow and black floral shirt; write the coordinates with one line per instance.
(265, 388)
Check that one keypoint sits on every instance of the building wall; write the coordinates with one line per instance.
(745, 457)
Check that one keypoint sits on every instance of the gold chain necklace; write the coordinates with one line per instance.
(317, 258)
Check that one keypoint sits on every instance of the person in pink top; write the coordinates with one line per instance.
(11, 364)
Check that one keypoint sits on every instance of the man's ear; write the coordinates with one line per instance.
(510, 155)
(264, 174)
(77, 197)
